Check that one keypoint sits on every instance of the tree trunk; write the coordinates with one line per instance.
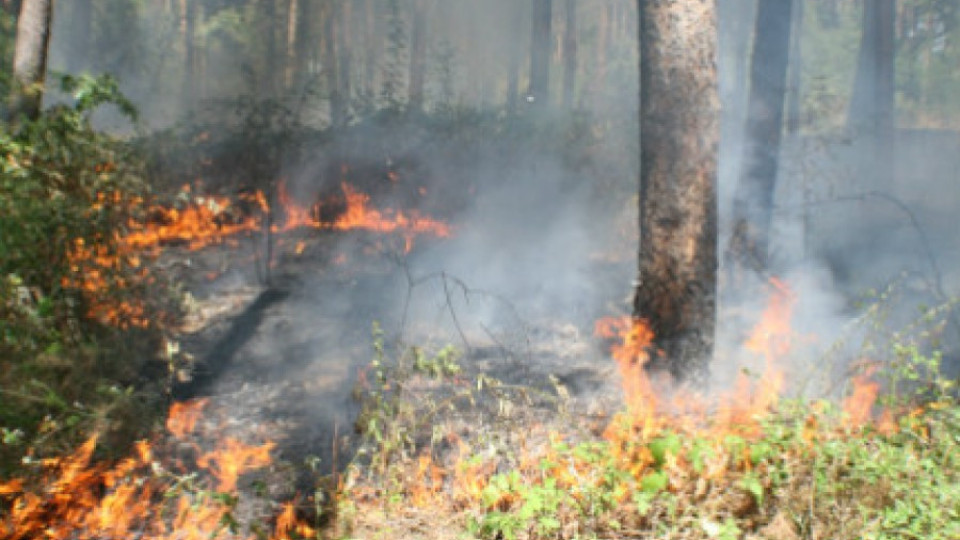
(795, 96)
(753, 201)
(332, 64)
(30, 57)
(570, 54)
(513, 66)
(293, 26)
(679, 126)
(418, 55)
(344, 57)
(540, 52)
(871, 113)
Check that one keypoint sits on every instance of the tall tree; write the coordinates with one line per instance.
(679, 126)
(570, 53)
(753, 200)
(540, 46)
(30, 57)
(872, 104)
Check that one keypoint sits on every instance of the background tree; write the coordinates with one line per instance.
(570, 53)
(30, 57)
(540, 46)
(679, 123)
(753, 202)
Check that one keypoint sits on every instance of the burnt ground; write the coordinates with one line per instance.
(280, 361)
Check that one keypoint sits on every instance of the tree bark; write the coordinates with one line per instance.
(30, 57)
(679, 126)
(418, 55)
(570, 54)
(540, 52)
(753, 201)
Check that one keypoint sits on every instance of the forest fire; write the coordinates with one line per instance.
(206, 222)
(139, 497)
(212, 220)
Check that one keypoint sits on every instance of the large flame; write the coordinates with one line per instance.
(209, 220)
(137, 498)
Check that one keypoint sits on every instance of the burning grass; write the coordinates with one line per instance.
(749, 464)
(166, 490)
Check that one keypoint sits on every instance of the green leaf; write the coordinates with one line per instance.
(654, 482)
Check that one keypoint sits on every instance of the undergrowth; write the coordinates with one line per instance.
(81, 321)
(803, 469)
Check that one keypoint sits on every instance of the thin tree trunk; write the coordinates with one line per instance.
(513, 67)
(418, 55)
(373, 39)
(305, 48)
(332, 65)
(293, 26)
(30, 57)
(540, 52)
(679, 125)
(570, 54)
(795, 95)
(753, 201)
(344, 58)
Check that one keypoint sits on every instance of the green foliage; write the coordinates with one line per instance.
(66, 188)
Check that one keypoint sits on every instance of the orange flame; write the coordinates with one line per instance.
(134, 498)
(858, 406)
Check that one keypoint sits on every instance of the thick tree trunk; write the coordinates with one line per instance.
(418, 55)
(30, 57)
(871, 114)
(540, 52)
(753, 201)
(570, 54)
(679, 126)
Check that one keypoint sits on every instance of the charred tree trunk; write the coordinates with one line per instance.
(418, 55)
(30, 57)
(540, 46)
(753, 200)
(679, 126)
(871, 113)
(570, 54)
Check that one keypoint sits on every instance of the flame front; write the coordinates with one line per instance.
(137, 497)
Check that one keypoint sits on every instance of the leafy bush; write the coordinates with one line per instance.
(74, 305)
